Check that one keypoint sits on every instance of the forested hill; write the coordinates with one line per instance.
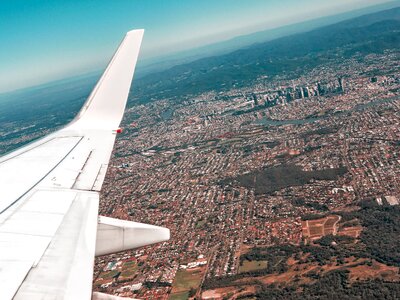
(367, 34)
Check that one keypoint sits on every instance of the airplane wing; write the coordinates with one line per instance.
(50, 230)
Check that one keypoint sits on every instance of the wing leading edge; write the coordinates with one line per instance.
(49, 225)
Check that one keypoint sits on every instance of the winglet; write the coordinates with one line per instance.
(105, 106)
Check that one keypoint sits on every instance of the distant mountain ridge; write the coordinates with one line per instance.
(247, 40)
(371, 33)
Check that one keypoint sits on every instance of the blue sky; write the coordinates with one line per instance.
(43, 40)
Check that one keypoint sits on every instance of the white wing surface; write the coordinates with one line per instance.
(49, 225)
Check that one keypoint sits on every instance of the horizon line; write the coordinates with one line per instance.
(160, 58)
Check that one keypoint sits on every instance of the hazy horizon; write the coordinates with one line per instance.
(60, 52)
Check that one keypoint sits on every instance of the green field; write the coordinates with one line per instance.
(129, 269)
(185, 280)
(179, 296)
(254, 265)
(109, 274)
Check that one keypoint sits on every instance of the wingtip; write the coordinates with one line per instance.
(135, 31)
(99, 111)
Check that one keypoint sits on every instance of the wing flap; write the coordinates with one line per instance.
(65, 268)
(26, 234)
(10, 284)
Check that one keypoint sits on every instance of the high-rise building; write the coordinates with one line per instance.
(289, 96)
(320, 89)
(255, 99)
(301, 92)
(306, 92)
(341, 84)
